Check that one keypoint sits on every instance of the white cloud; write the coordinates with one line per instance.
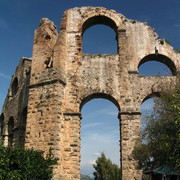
(4, 76)
(102, 112)
(87, 165)
(87, 168)
(107, 111)
(101, 138)
(3, 23)
(92, 125)
(177, 26)
(91, 162)
(93, 144)
(144, 18)
(97, 154)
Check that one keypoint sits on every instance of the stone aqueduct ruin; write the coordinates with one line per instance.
(46, 94)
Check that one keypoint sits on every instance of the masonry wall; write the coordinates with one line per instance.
(15, 106)
(63, 79)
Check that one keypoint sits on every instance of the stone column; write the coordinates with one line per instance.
(71, 143)
(122, 42)
(130, 131)
(5, 137)
(5, 140)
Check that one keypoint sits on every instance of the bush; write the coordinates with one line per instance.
(21, 164)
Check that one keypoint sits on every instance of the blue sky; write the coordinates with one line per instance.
(19, 19)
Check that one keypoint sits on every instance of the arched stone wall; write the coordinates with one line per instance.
(57, 93)
(63, 79)
(16, 100)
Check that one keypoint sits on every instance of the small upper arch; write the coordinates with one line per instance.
(100, 15)
(160, 58)
(99, 20)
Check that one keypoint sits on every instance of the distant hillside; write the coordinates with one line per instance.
(84, 177)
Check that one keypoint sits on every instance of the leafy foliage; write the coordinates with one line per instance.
(167, 41)
(161, 137)
(20, 164)
(105, 169)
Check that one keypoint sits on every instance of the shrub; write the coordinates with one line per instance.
(21, 164)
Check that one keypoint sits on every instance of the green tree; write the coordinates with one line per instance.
(160, 142)
(105, 169)
(21, 164)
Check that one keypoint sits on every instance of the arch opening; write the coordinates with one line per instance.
(99, 132)
(99, 36)
(99, 95)
(157, 64)
(23, 127)
(10, 131)
(14, 86)
(147, 108)
(1, 125)
(155, 94)
(99, 20)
